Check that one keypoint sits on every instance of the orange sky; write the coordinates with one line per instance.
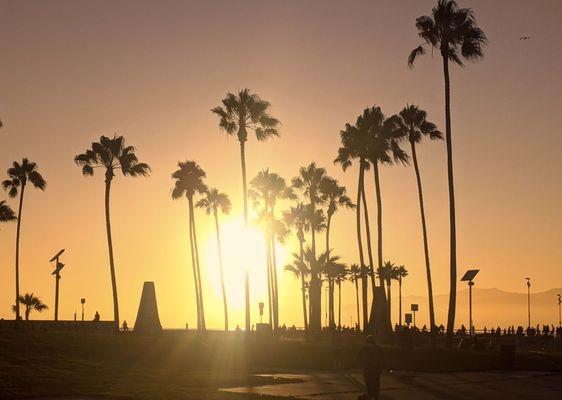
(72, 70)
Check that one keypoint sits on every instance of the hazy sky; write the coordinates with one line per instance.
(151, 71)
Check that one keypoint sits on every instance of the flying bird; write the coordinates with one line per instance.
(525, 38)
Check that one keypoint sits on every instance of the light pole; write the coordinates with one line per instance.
(82, 301)
(559, 310)
(528, 302)
(469, 277)
(56, 273)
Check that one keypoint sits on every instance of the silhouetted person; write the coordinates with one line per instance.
(97, 317)
(371, 361)
(125, 326)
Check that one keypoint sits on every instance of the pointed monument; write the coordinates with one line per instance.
(148, 320)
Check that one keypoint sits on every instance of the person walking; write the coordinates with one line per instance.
(371, 361)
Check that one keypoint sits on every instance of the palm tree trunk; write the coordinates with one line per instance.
(224, 301)
(303, 289)
(315, 284)
(331, 312)
(245, 194)
(453, 237)
(364, 283)
(357, 300)
(275, 286)
(379, 215)
(400, 301)
(195, 247)
(194, 266)
(111, 260)
(368, 234)
(425, 245)
(339, 304)
(389, 282)
(18, 254)
(269, 279)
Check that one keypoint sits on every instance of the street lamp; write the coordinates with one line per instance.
(469, 277)
(528, 302)
(82, 301)
(559, 310)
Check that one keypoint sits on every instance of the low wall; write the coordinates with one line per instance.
(38, 325)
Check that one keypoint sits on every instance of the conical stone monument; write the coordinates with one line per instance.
(148, 320)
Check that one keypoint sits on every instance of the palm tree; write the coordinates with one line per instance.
(212, 203)
(6, 212)
(454, 32)
(112, 155)
(355, 274)
(189, 182)
(18, 177)
(308, 181)
(355, 140)
(300, 267)
(339, 279)
(239, 114)
(333, 196)
(31, 303)
(386, 274)
(332, 269)
(412, 123)
(399, 273)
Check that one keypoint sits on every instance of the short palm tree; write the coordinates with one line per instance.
(239, 114)
(111, 155)
(413, 124)
(300, 267)
(341, 277)
(452, 31)
(6, 212)
(399, 273)
(355, 274)
(213, 202)
(189, 182)
(19, 175)
(332, 269)
(333, 196)
(386, 274)
(308, 181)
(31, 303)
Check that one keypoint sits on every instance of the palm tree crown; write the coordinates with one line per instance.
(412, 124)
(333, 195)
(6, 212)
(246, 111)
(214, 201)
(189, 180)
(31, 303)
(113, 155)
(20, 174)
(451, 30)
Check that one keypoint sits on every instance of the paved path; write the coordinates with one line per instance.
(418, 386)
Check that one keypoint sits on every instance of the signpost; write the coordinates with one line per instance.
(414, 308)
(82, 301)
(56, 273)
(468, 277)
(528, 302)
(559, 310)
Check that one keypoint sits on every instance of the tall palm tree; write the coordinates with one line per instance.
(6, 212)
(355, 274)
(31, 303)
(308, 181)
(386, 275)
(355, 141)
(18, 177)
(213, 202)
(399, 273)
(454, 32)
(413, 124)
(333, 196)
(267, 189)
(189, 182)
(112, 155)
(239, 114)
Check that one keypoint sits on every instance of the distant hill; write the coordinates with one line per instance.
(491, 307)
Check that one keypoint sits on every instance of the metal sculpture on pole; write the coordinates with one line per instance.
(469, 277)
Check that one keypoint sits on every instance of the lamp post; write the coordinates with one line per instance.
(528, 302)
(469, 277)
(559, 310)
(82, 301)
(56, 273)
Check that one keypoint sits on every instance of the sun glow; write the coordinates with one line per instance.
(242, 249)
